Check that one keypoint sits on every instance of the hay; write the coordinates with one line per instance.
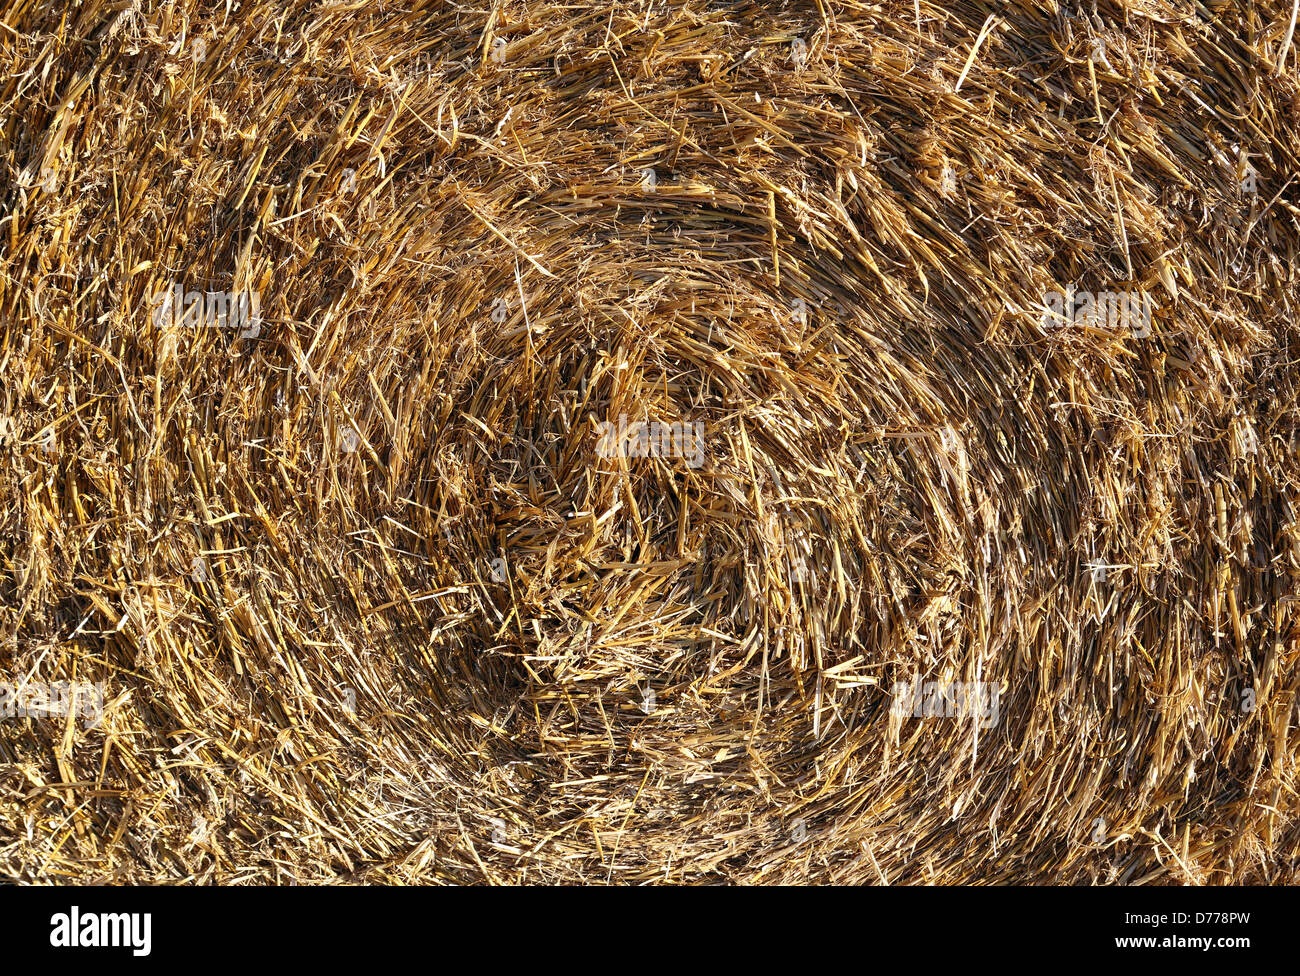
(369, 605)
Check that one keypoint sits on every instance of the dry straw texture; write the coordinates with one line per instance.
(368, 604)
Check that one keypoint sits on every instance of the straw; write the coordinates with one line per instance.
(425, 577)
